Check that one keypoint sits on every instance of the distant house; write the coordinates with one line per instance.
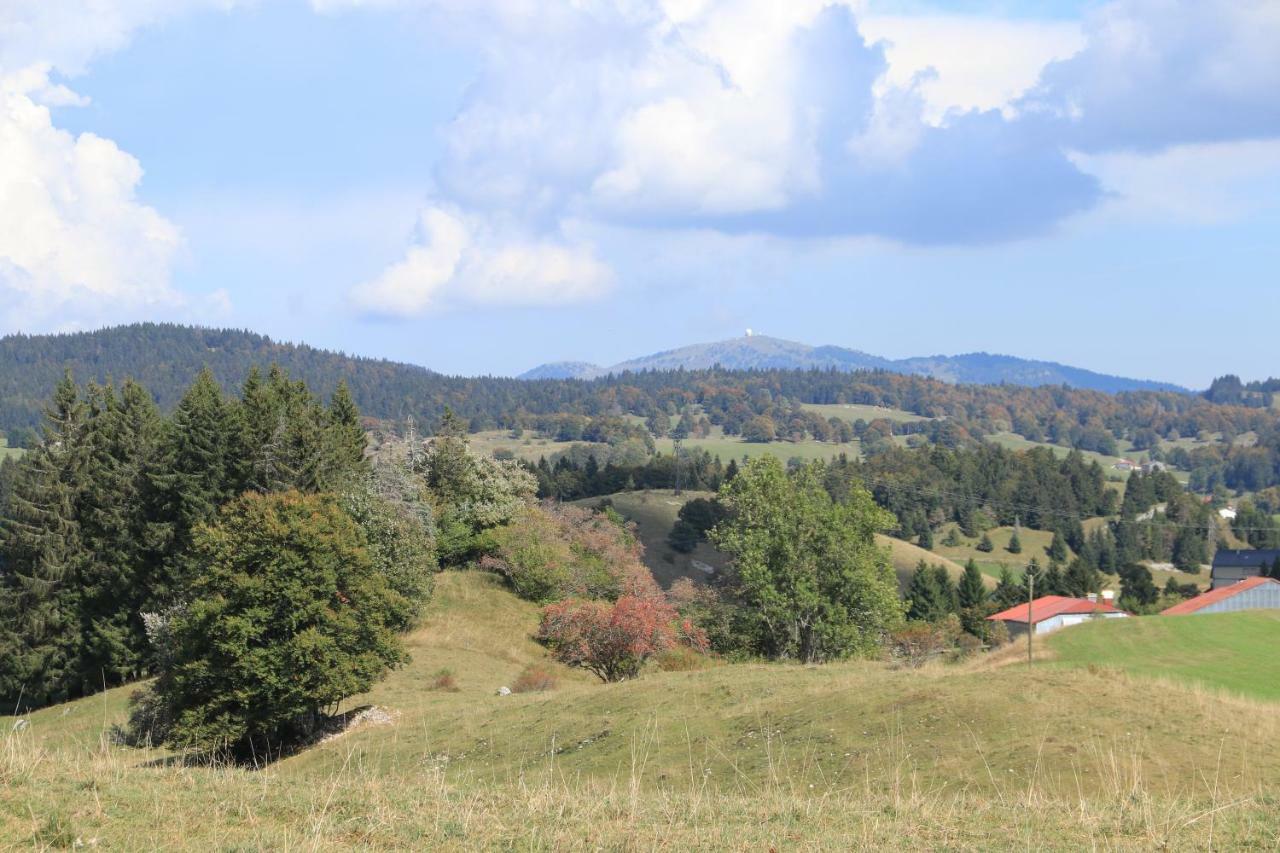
(1228, 513)
(1125, 465)
(1050, 613)
(1251, 594)
(1231, 567)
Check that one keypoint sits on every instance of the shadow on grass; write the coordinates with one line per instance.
(260, 755)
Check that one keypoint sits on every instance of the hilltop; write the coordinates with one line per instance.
(760, 352)
(858, 754)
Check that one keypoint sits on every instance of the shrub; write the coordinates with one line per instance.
(534, 678)
(444, 680)
(682, 659)
(614, 641)
(553, 552)
(286, 615)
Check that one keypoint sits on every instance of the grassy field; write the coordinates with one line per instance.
(1231, 651)
(862, 755)
(717, 444)
(1035, 543)
(6, 450)
(852, 412)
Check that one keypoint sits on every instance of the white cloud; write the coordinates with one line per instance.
(69, 34)
(980, 63)
(74, 240)
(461, 260)
(1199, 184)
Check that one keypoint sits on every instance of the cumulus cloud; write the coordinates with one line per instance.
(74, 240)
(1158, 73)
(76, 244)
(459, 261)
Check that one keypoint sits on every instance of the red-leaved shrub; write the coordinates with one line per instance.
(534, 679)
(614, 640)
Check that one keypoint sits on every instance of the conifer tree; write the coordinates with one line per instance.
(345, 440)
(1057, 550)
(971, 591)
(197, 472)
(1015, 544)
(985, 545)
(40, 561)
(119, 577)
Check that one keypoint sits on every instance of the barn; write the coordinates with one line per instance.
(1250, 594)
(1230, 566)
(1050, 613)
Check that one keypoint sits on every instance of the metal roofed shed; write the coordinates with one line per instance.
(1051, 613)
(1232, 566)
(1250, 594)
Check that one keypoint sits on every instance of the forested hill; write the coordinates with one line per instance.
(765, 401)
(165, 358)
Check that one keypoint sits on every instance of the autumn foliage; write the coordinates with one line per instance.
(615, 640)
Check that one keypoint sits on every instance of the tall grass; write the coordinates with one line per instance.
(108, 796)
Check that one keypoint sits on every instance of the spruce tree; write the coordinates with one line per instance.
(119, 574)
(972, 591)
(197, 471)
(40, 562)
(1057, 549)
(1015, 544)
(927, 601)
(345, 440)
(985, 545)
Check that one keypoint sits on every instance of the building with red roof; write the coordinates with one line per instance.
(1050, 613)
(1248, 594)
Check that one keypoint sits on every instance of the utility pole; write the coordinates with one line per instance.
(675, 443)
(1031, 626)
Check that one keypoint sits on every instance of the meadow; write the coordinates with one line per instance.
(1228, 651)
(988, 754)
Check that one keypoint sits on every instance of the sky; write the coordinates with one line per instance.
(480, 186)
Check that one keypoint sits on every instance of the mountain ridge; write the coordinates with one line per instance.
(761, 352)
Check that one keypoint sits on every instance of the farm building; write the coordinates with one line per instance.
(1049, 613)
(1231, 567)
(1250, 594)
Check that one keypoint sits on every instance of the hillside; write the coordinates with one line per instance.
(1230, 651)
(760, 352)
(654, 512)
(851, 755)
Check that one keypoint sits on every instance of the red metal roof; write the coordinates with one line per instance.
(1048, 606)
(1213, 596)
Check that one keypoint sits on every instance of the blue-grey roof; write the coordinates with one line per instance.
(1251, 559)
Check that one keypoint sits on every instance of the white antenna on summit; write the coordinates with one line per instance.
(749, 333)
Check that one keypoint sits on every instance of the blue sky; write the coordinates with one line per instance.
(483, 185)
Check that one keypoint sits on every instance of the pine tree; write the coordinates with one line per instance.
(1008, 591)
(346, 440)
(927, 600)
(1057, 549)
(985, 545)
(1052, 581)
(41, 557)
(1080, 579)
(118, 577)
(197, 471)
(926, 537)
(1015, 544)
(971, 591)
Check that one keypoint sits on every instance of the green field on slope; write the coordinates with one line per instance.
(1231, 651)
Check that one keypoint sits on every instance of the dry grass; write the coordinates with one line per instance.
(970, 757)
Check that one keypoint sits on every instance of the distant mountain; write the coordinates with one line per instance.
(757, 352)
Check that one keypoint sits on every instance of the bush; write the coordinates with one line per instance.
(614, 641)
(683, 537)
(534, 678)
(286, 615)
(401, 545)
(682, 659)
(444, 680)
(553, 552)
